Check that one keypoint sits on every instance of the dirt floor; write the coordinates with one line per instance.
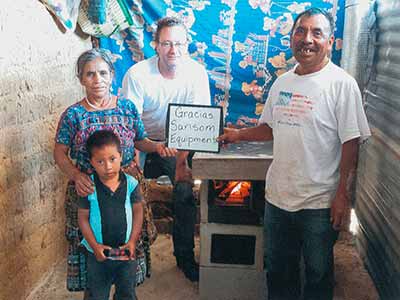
(167, 283)
(352, 280)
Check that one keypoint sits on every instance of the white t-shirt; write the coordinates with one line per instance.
(311, 117)
(151, 92)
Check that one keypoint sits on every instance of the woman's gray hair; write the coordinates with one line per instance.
(91, 55)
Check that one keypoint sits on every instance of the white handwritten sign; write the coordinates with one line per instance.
(194, 127)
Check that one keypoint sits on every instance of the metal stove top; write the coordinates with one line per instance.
(246, 160)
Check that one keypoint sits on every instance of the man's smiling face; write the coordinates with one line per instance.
(311, 42)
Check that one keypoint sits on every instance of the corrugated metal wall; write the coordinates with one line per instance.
(378, 183)
(357, 53)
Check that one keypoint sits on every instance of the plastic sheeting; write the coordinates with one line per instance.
(378, 190)
(244, 45)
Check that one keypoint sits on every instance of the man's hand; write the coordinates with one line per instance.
(230, 135)
(165, 151)
(340, 210)
(83, 184)
(182, 170)
(183, 173)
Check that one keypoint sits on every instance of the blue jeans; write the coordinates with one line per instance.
(102, 275)
(184, 203)
(287, 236)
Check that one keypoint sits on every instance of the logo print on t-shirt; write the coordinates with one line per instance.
(284, 98)
(293, 109)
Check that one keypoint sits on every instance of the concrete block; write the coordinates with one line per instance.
(228, 284)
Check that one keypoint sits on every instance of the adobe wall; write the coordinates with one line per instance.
(37, 82)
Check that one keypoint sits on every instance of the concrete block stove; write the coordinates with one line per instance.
(231, 231)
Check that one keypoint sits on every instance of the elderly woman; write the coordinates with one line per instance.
(99, 109)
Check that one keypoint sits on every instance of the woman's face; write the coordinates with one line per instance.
(97, 78)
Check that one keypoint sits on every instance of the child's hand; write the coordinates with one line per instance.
(131, 246)
(99, 252)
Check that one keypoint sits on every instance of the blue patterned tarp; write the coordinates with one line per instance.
(244, 45)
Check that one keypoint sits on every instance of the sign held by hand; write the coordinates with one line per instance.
(194, 127)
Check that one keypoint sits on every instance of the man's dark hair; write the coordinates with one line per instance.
(167, 22)
(316, 11)
(102, 138)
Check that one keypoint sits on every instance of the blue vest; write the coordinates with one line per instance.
(95, 216)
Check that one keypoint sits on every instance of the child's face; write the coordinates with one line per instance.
(106, 161)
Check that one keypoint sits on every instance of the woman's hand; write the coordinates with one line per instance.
(133, 169)
(165, 151)
(83, 184)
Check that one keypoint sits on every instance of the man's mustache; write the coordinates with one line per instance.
(300, 46)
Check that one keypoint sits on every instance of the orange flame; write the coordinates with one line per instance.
(236, 191)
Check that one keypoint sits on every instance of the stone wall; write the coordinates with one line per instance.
(37, 82)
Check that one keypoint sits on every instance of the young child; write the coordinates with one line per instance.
(110, 218)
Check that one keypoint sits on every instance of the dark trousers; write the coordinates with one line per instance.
(184, 203)
(102, 275)
(287, 236)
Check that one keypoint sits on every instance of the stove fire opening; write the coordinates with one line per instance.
(233, 249)
(232, 192)
(236, 202)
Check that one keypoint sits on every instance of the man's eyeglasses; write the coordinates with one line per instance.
(169, 44)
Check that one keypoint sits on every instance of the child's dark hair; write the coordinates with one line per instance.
(101, 138)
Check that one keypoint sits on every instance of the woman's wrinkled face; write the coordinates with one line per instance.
(96, 78)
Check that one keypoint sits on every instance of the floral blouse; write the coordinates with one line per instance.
(77, 124)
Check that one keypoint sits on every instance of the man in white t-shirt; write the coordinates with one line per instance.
(315, 116)
(170, 77)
